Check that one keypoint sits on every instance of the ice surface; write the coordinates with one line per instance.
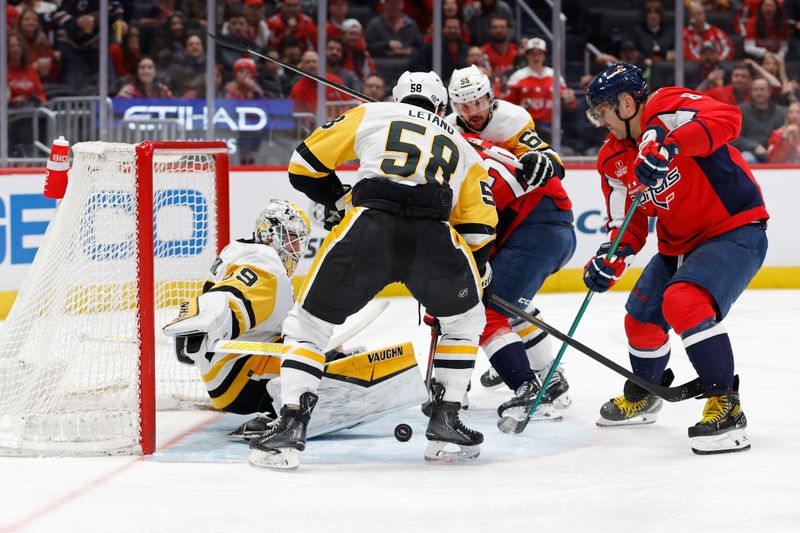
(567, 476)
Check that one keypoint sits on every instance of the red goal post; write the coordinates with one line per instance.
(82, 357)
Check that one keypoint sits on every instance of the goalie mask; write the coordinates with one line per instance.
(472, 97)
(423, 89)
(286, 228)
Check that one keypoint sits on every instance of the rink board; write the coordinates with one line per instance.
(25, 214)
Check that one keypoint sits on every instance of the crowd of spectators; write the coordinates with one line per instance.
(157, 49)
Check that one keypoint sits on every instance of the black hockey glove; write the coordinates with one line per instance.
(487, 284)
(654, 157)
(335, 213)
(536, 169)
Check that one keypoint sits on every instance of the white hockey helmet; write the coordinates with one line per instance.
(467, 89)
(426, 86)
(286, 228)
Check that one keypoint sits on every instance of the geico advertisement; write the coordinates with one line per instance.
(25, 214)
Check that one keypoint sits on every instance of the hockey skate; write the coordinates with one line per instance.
(279, 448)
(491, 379)
(444, 427)
(426, 406)
(255, 427)
(515, 413)
(636, 406)
(722, 429)
(558, 387)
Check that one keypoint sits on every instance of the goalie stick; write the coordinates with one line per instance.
(679, 393)
(364, 319)
(346, 90)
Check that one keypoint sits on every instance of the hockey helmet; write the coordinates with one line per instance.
(426, 86)
(609, 84)
(286, 228)
(468, 87)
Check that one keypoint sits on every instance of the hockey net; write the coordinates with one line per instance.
(82, 356)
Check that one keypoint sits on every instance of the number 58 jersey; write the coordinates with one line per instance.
(409, 146)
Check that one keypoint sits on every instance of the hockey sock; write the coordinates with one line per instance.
(648, 348)
(453, 362)
(690, 310)
(537, 342)
(709, 349)
(507, 355)
(301, 371)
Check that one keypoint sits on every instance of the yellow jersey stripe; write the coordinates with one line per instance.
(236, 387)
(455, 348)
(308, 354)
(219, 365)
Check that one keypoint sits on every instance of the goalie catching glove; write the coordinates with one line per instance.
(600, 274)
(536, 169)
(202, 322)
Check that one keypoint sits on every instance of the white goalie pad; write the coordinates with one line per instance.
(362, 388)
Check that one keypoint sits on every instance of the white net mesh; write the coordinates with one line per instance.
(69, 352)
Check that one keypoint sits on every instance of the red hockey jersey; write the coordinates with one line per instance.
(709, 189)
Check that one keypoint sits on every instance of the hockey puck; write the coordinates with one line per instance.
(402, 432)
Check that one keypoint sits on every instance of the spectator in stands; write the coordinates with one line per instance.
(479, 18)
(334, 52)
(244, 87)
(747, 9)
(392, 34)
(168, 46)
(145, 84)
(125, 56)
(698, 32)
(356, 56)
(500, 51)
(43, 57)
(784, 143)
(775, 68)
(188, 77)
(290, 21)
(454, 51)
(711, 74)
(768, 31)
(653, 39)
(272, 78)
(23, 79)
(337, 14)
(237, 28)
(475, 56)
(257, 30)
(532, 88)
(12, 18)
(77, 39)
(375, 87)
(760, 116)
(450, 8)
(739, 89)
(304, 92)
(419, 10)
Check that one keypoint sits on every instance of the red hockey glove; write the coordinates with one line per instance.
(654, 157)
(600, 274)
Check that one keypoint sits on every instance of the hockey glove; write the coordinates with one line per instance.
(654, 157)
(487, 284)
(536, 169)
(335, 213)
(201, 322)
(600, 274)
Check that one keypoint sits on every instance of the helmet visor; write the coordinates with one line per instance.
(473, 107)
(597, 114)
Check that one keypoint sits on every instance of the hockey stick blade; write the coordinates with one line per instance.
(692, 389)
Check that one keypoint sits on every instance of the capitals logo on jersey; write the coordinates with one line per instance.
(661, 196)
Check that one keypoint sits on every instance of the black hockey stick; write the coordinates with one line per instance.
(679, 393)
(332, 84)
